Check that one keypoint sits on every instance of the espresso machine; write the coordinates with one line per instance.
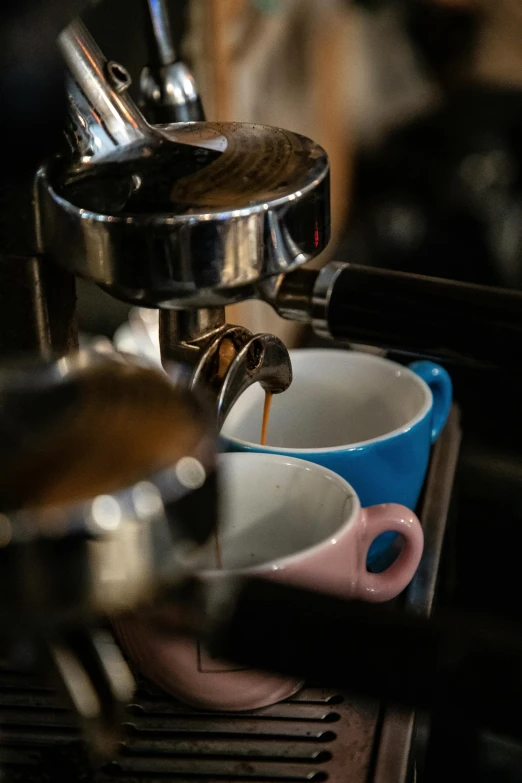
(163, 209)
(110, 197)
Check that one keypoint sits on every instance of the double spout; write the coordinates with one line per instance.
(225, 359)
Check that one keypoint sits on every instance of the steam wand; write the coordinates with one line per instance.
(168, 90)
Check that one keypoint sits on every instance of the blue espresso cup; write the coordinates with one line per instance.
(370, 420)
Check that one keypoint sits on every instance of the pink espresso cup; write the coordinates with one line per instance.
(285, 519)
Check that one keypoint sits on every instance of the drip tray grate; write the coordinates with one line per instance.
(317, 735)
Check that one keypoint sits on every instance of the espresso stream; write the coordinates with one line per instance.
(264, 430)
(266, 416)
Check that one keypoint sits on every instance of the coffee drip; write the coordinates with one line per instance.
(266, 417)
(264, 431)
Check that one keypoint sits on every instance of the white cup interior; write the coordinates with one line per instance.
(336, 398)
(274, 507)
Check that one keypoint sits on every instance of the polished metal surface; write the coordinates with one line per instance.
(103, 116)
(118, 76)
(221, 358)
(291, 295)
(158, 13)
(169, 94)
(168, 91)
(183, 215)
(179, 86)
(224, 359)
(321, 296)
(264, 359)
(195, 219)
(304, 295)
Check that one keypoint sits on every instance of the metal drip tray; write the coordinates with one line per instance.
(303, 738)
(317, 735)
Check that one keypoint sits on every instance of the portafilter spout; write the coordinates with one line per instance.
(223, 358)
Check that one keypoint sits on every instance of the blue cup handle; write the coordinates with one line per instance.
(442, 389)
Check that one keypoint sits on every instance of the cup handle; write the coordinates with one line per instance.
(392, 581)
(442, 389)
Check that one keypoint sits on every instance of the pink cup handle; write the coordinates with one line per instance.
(399, 519)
